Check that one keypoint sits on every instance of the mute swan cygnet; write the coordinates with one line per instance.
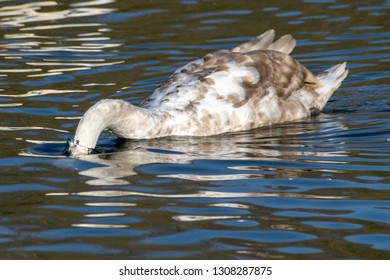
(252, 85)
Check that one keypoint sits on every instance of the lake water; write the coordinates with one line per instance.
(314, 189)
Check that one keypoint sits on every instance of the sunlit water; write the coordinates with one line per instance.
(313, 189)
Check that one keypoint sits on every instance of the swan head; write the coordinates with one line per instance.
(75, 149)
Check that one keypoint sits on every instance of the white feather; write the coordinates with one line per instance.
(252, 85)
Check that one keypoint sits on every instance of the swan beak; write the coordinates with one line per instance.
(74, 149)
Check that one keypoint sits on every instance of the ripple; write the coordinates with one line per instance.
(68, 248)
(108, 226)
(224, 177)
(311, 188)
(27, 13)
(231, 205)
(9, 128)
(99, 215)
(60, 26)
(11, 105)
(299, 250)
(195, 236)
(376, 241)
(41, 92)
(208, 194)
(197, 218)
(332, 225)
(239, 223)
(20, 70)
(93, 231)
(111, 204)
(44, 49)
(92, 3)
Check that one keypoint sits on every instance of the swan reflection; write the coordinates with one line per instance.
(282, 152)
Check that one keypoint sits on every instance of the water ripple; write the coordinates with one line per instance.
(316, 188)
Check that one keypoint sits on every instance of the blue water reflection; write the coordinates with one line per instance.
(312, 189)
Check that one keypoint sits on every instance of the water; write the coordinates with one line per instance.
(313, 189)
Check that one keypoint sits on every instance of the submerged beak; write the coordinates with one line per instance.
(74, 149)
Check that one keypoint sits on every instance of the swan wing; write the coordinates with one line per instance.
(233, 77)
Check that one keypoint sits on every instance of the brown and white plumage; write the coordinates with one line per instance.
(255, 84)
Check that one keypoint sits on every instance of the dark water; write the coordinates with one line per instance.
(314, 189)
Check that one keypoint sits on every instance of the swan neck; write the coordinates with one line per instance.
(116, 115)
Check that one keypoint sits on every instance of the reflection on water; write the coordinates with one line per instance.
(248, 149)
(45, 56)
(19, 15)
(316, 188)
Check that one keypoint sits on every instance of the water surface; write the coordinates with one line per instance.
(314, 189)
